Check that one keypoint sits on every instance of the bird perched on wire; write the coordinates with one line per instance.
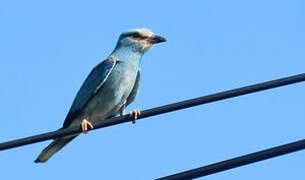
(110, 87)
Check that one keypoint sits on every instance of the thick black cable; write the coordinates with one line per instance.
(159, 110)
(238, 161)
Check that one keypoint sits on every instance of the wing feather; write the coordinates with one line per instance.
(90, 87)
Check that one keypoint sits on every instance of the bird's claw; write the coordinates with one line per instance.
(85, 125)
(135, 114)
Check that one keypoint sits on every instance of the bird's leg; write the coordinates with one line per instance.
(85, 125)
(135, 114)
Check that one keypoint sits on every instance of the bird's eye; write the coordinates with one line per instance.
(136, 35)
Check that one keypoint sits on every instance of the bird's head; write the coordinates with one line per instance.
(139, 40)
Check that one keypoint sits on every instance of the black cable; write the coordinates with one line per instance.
(159, 110)
(238, 161)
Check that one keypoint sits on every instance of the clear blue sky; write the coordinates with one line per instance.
(48, 48)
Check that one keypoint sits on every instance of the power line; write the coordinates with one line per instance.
(160, 110)
(238, 161)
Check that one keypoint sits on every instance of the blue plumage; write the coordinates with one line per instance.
(92, 84)
(109, 88)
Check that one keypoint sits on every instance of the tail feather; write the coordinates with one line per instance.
(52, 148)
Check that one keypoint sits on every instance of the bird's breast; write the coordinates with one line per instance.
(114, 92)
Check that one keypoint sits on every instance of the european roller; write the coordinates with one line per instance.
(111, 86)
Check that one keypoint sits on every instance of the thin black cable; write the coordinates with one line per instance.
(238, 161)
(159, 110)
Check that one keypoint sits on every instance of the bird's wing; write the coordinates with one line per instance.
(135, 89)
(90, 87)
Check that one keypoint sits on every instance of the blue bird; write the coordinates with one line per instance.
(111, 86)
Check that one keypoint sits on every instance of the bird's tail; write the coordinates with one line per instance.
(52, 148)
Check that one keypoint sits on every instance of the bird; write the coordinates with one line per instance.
(109, 88)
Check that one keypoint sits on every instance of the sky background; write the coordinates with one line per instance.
(48, 49)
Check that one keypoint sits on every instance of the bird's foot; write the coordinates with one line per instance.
(135, 114)
(85, 125)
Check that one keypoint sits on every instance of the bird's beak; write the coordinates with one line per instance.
(156, 39)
